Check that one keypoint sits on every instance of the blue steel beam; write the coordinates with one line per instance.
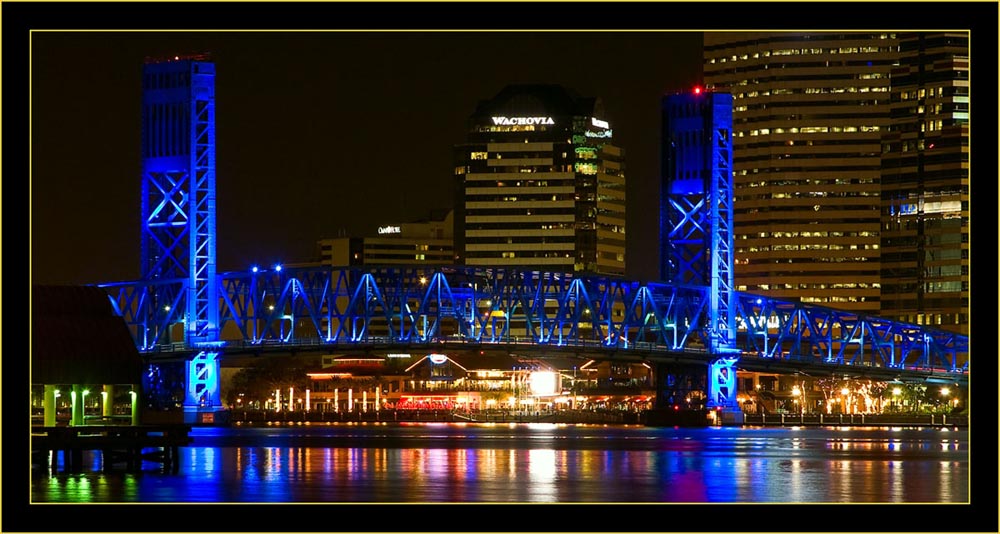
(422, 305)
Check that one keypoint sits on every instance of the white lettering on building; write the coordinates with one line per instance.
(599, 123)
(388, 230)
(521, 121)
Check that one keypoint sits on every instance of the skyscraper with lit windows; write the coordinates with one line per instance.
(809, 111)
(539, 184)
(925, 184)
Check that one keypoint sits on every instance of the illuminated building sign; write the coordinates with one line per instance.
(388, 230)
(437, 359)
(599, 123)
(522, 121)
(605, 133)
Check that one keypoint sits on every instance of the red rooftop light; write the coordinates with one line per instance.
(697, 90)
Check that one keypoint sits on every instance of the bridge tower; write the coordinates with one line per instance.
(696, 223)
(178, 213)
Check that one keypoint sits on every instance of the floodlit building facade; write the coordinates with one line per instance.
(539, 184)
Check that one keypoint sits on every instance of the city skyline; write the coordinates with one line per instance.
(84, 163)
(272, 231)
(328, 158)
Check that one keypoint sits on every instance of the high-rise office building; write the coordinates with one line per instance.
(809, 111)
(925, 184)
(539, 184)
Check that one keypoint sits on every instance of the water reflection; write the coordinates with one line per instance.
(537, 463)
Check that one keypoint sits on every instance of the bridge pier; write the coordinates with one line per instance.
(677, 383)
(203, 399)
(722, 392)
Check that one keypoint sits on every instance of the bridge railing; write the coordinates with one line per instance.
(425, 305)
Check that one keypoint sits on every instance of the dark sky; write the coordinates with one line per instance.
(324, 131)
(317, 132)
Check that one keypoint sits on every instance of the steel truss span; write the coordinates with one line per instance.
(428, 305)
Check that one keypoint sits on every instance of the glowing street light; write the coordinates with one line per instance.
(796, 392)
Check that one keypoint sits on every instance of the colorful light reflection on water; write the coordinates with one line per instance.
(445, 463)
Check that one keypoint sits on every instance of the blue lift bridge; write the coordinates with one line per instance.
(692, 315)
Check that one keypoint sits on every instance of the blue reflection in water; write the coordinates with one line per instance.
(535, 463)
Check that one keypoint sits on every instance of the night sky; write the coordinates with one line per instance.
(346, 128)
(317, 133)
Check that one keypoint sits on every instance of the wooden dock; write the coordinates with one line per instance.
(118, 444)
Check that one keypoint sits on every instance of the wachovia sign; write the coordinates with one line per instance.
(521, 121)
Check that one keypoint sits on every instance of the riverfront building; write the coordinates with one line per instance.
(538, 183)
(809, 111)
(474, 380)
(428, 241)
(925, 184)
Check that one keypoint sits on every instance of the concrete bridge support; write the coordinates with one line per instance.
(202, 399)
(722, 391)
(679, 385)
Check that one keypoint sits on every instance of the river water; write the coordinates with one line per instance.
(534, 463)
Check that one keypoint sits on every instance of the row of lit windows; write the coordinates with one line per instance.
(850, 143)
(924, 92)
(812, 91)
(373, 258)
(782, 248)
(812, 194)
(514, 210)
(821, 300)
(799, 103)
(934, 318)
(531, 226)
(814, 129)
(374, 247)
(525, 198)
(807, 260)
(806, 181)
(822, 234)
(522, 254)
(465, 169)
(813, 247)
(520, 239)
(514, 128)
(855, 206)
(824, 286)
(806, 51)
